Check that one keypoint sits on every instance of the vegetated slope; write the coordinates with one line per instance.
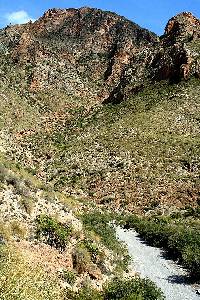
(140, 152)
(56, 247)
(96, 107)
(46, 250)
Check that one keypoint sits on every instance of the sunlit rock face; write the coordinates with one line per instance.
(178, 56)
(99, 56)
(184, 27)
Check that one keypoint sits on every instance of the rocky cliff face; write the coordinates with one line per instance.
(182, 28)
(99, 56)
(178, 54)
(82, 51)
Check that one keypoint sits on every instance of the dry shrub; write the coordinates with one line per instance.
(20, 280)
(5, 231)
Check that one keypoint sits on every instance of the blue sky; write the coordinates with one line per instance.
(151, 14)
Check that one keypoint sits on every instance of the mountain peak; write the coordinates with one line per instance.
(184, 26)
(94, 46)
(99, 55)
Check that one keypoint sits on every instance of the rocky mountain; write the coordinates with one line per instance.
(82, 51)
(61, 78)
(98, 116)
(88, 53)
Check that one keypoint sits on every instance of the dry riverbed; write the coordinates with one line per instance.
(149, 262)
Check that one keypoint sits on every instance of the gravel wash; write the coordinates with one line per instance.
(149, 262)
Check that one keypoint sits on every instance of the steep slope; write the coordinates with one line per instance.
(95, 56)
(63, 81)
(82, 51)
(141, 153)
(56, 247)
(44, 239)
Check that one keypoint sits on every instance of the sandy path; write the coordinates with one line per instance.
(149, 262)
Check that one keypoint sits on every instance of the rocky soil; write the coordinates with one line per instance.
(22, 201)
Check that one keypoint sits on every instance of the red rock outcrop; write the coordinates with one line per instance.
(183, 27)
(178, 55)
(99, 56)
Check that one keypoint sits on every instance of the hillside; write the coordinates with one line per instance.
(140, 151)
(97, 115)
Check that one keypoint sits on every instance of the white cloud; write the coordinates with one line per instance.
(18, 17)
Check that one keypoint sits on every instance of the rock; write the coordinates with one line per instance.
(91, 54)
(94, 272)
(180, 47)
(184, 27)
(198, 292)
(82, 51)
(2, 240)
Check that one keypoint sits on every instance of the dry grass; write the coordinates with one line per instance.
(48, 258)
(8, 230)
(21, 280)
(5, 231)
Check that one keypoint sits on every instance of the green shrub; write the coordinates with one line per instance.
(191, 259)
(117, 289)
(131, 289)
(28, 204)
(99, 223)
(69, 276)
(86, 293)
(92, 248)
(81, 258)
(194, 212)
(12, 179)
(52, 232)
(3, 173)
(18, 229)
(182, 238)
(181, 241)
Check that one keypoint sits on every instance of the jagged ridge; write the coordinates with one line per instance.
(99, 55)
